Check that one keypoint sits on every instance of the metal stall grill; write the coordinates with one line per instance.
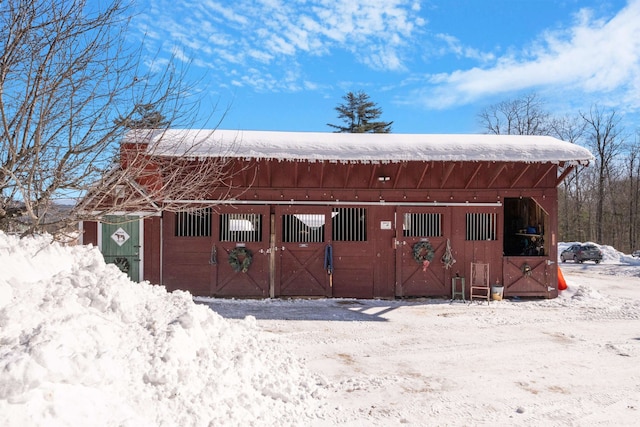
(193, 223)
(303, 228)
(422, 225)
(481, 226)
(244, 227)
(349, 224)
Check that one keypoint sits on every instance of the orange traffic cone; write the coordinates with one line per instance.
(562, 284)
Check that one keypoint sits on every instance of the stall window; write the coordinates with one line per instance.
(246, 227)
(193, 223)
(349, 224)
(481, 226)
(303, 228)
(422, 225)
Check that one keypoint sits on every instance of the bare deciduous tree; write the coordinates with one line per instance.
(164, 170)
(633, 196)
(572, 226)
(520, 116)
(70, 89)
(605, 139)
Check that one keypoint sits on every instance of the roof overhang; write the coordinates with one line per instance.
(359, 148)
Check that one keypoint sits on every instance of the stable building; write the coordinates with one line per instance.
(309, 214)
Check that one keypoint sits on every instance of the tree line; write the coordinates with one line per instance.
(598, 203)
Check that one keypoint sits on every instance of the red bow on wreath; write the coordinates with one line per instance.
(423, 253)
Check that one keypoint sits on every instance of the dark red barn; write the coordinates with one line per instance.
(307, 214)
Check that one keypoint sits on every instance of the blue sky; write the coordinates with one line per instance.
(431, 66)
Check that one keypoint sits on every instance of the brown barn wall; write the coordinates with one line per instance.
(185, 260)
(151, 247)
(90, 233)
(402, 176)
(383, 265)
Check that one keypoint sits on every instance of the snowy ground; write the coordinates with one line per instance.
(80, 345)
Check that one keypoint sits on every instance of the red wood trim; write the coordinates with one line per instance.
(373, 178)
(397, 177)
(268, 170)
(346, 179)
(564, 174)
(424, 173)
(549, 169)
(473, 175)
(322, 174)
(447, 174)
(246, 181)
(295, 173)
(520, 175)
(500, 169)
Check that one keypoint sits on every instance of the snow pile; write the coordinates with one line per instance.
(83, 345)
(587, 294)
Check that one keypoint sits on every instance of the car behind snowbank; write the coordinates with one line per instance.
(580, 253)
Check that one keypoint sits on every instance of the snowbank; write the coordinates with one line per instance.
(83, 345)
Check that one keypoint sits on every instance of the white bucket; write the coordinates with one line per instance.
(497, 291)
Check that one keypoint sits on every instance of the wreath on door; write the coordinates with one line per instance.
(240, 259)
(122, 263)
(423, 253)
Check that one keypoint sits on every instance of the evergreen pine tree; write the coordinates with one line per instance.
(359, 113)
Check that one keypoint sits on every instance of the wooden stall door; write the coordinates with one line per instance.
(422, 233)
(186, 251)
(363, 251)
(240, 252)
(121, 243)
(529, 276)
(300, 248)
(478, 239)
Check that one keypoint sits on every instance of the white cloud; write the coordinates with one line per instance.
(260, 55)
(594, 55)
(178, 53)
(453, 45)
(384, 59)
(376, 32)
(214, 9)
(259, 33)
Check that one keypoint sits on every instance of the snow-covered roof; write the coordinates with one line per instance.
(353, 147)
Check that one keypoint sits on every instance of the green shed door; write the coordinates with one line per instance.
(121, 243)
